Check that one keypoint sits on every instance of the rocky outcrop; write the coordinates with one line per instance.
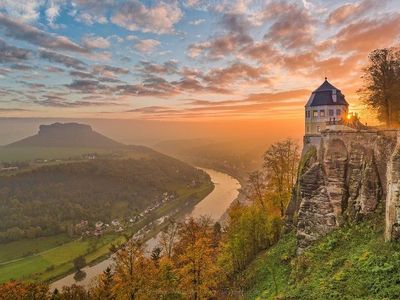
(67, 135)
(344, 176)
(392, 230)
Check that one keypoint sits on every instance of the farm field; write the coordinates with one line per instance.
(51, 257)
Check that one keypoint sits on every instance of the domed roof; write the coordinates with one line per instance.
(326, 94)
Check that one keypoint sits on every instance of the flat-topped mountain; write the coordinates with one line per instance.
(67, 135)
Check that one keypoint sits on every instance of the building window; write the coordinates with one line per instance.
(315, 113)
(318, 129)
(338, 112)
(331, 112)
(308, 114)
(322, 113)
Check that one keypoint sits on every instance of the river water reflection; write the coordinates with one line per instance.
(214, 205)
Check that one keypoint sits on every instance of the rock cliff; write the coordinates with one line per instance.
(67, 135)
(344, 176)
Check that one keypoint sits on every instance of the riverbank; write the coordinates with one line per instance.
(226, 190)
(50, 258)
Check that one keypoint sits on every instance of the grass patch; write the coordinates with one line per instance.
(54, 255)
(352, 262)
(26, 247)
(267, 276)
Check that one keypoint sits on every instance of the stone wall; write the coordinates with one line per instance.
(344, 176)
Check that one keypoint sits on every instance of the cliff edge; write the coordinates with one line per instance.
(343, 177)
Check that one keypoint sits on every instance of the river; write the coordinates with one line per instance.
(213, 205)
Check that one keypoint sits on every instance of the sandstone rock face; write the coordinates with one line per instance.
(344, 176)
(392, 230)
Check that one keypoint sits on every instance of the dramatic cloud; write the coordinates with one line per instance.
(292, 25)
(248, 58)
(82, 75)
(87, 86)
(367, 35)
(109, 71)
(146, 46)
(159, 18)
(25, 10)
(168, 67)
(30, 34)
(226, 44)
(65, 60)
(95, 42)
(11, 54)
(62, 102)
(351, 11)
(255, 104)
(236, 73)
(262, 52)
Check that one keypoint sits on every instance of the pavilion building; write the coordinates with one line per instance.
(326, 106)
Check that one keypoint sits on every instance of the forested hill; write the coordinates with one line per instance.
(66, 135)
(68, 173)
(54, 198)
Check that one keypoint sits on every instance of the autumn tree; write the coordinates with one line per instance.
(195, 258)
(256, 188)
(167, 279)
(168, 237)
(156, 255)
(250, 230)
(280, 166)
(134, 273)
(17, 290)
(74, 292)
(381, 90)
(103, 286)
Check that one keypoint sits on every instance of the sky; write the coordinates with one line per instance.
(185, 60)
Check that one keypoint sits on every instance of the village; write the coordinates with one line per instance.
(85, 229)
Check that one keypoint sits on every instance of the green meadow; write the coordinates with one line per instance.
(51, 257)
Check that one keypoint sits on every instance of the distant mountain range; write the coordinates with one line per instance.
(67, 135)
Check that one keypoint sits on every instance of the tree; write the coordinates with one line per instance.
(381, 90)
(156, 254)
(280, 165)
(134, 273)
(17, 290)
(195, 258)
(250, 230)
(168, 237)
(103, 287)
(79, 263)
(167, 279)
(74, 292)
(256, 188)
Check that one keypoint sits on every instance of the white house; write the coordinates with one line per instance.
(327, 105)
